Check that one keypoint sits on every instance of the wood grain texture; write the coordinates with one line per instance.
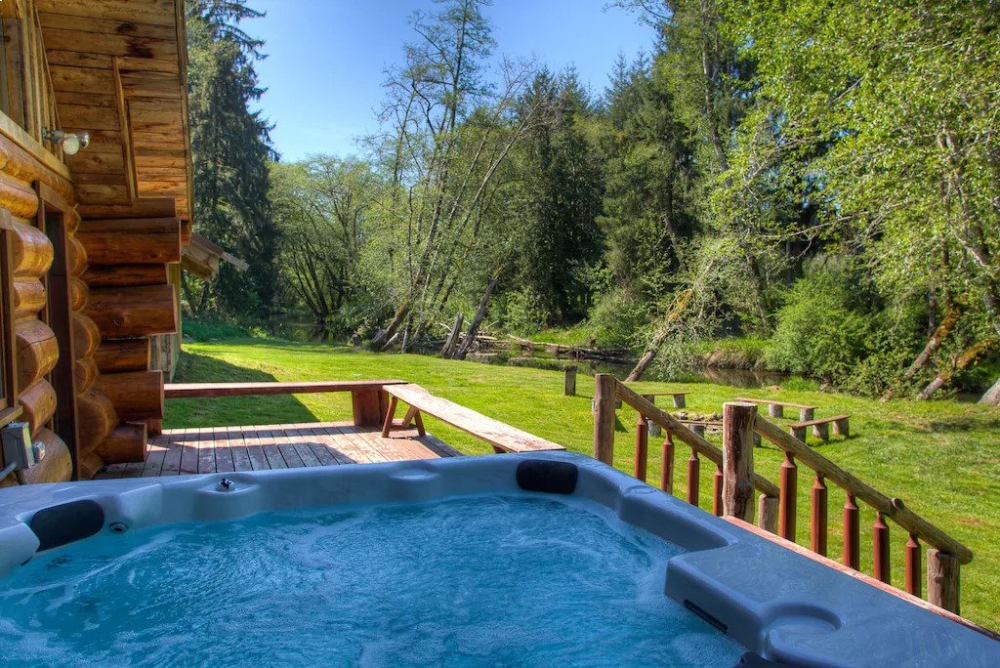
(125, 443)
(134, 311)
(39, 404)
(143, 241)
(494, 432)
(136, 395)
(37, 351)
(97, 419)
(117, 355)
(737, 460)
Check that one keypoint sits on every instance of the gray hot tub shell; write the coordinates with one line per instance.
(776, 603)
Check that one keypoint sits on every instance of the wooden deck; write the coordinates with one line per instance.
(229, 449)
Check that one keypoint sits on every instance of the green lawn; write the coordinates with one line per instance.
(942, 458)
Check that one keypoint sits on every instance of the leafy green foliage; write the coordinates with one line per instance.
(820, 332)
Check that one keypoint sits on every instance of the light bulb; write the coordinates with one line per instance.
(71, 144)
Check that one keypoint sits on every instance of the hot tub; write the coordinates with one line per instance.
(542, 559)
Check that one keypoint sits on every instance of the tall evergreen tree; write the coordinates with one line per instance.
(562, 184)
(231, 147)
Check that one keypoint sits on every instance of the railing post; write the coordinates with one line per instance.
(641, 448)
(767, 513)
(737, 459)
(880, 550)
(852, 533)
(789, 490)
(667, 474)
(604, 418)
(943, 580)
(818, 526)
(913, 565)
(570, 388)
(694, 477)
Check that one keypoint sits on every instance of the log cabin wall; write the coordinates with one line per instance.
(117, 70)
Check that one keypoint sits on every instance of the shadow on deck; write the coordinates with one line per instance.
(260, 448)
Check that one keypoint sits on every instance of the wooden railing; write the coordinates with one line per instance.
(735, 482)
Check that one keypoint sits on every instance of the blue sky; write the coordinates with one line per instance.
(326, 58)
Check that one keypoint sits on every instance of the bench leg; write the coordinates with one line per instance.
(775, 411)
(698, 429)
(679, 401)
(420, 424)
(389, 415)
(408, 418)
(654, 429)
(798, 433)
(841, 428)
(367, 405)
(822, 431)
(805, 414)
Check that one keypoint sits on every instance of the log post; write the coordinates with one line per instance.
(880, 550)
(913, 565)
(818, 526)
(667, 474)
(852, 533)
(641, 448)
(604, 418)
(737, 459)
(943, 580)
(570, 384)
(767, 513)
(786, 505)
(694, 477)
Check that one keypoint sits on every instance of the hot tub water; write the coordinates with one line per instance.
(510, 580)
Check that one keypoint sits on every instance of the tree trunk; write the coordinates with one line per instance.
(940, 334)
(470, 337)
(661, 335)
(449, 346)
(992, 396)
(384, 337)
(964, 361)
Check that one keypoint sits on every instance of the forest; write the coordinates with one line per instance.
(805, 186)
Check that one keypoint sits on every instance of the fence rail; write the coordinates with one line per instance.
(735, 481)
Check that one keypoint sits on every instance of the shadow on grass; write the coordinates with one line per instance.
(963, 424)
(229, 411)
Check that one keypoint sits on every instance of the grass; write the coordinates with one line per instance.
(941, 457)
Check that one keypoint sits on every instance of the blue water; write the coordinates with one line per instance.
(481, 580)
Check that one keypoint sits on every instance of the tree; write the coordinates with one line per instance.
(449, 135)
(559, 197)
(231, 148)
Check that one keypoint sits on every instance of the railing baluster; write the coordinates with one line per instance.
(786, 501)
(913, 574)
(880, 549)
(641, 448)
(852, 533)
(819, 516)
(667, 475)
(717, 492)
(694, 471)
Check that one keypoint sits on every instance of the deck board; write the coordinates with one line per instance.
(260, 448)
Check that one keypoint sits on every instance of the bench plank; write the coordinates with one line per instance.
(200, 390)
(812, 423)
(494, 432)
(774, 403)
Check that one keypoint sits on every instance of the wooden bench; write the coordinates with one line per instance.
(502, 437)
(821, 428)
(678, 397)
(776, 409)
(367, 399)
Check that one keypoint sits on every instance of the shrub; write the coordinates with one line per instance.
(619, 319)
(820, 331)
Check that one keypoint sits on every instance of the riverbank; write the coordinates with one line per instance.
(941, 457)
